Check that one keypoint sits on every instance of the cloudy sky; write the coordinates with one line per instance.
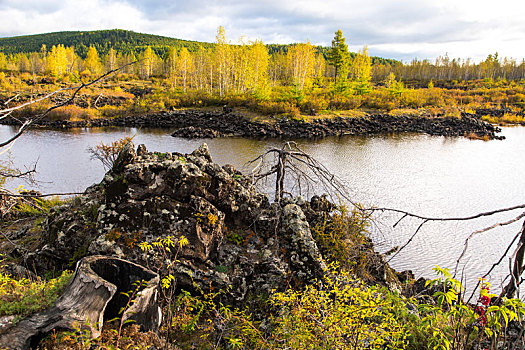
(401, 29)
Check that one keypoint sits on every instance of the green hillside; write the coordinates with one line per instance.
(124, 41)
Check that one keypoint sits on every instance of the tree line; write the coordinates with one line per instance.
(225, 68)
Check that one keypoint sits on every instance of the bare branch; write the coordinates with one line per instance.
(408, 242)
(498, 224)
(465, 218)
(75, 90)
(9, 194)
(21, 130)
(11, 99)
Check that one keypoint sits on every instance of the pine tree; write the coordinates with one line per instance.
(338, 56)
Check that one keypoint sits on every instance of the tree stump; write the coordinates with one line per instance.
(92, 297)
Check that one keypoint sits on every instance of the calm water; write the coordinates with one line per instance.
(432, 176)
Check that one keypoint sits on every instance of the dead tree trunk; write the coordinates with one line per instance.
(279, 181)
(92, 296)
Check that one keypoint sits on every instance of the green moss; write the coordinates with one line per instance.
(91, 211)
(221, 269)
(79, 254)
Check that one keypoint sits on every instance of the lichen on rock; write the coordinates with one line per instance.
(238, 240)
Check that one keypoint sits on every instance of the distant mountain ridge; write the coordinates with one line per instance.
(124, 41)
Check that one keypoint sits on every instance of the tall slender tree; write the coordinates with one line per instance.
(185, 66)
(92, 61)
(338, 56)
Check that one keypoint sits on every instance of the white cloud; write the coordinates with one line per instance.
(40, 17)
(397, 29)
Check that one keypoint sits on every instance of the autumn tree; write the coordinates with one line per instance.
(23, 64)
(36, 63)
(170, 66)
(222, 61)
(258, 59)
(301, 63)
(361, 71)
(338, 56)
(203, 69)
(110, 60)
(148, 61)
(57, 61)
(74, 63)
(185, 66)
(3, 61)
(92, 61)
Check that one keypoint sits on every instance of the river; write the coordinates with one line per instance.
(427, 175)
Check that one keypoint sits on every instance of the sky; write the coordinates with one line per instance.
(399, 29)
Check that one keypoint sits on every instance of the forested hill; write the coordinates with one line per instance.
(123, 41)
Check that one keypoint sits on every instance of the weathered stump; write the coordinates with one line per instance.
(92, 297)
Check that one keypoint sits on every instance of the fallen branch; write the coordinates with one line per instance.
(498, 224)
(9, 194)
(75, 89)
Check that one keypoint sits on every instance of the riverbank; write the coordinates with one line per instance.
(196, 123)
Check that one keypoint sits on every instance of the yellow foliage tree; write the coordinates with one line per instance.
(185, 66)
(222, 62)
(301, 63)
(258, 59)
(57, 61)
(92, 61)
(361, 71)
(148, 61)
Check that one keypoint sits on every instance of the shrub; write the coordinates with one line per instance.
(339, 313)
(450, 323)
(108, 153)
(36, 206)
(340, 102)
(24, 297)
(342, 236)
(72, 113)
(317, 102)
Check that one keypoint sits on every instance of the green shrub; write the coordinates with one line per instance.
(24, 297)
(343, 237)
(339, 313)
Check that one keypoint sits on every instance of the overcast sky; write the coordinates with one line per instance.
(401, 29)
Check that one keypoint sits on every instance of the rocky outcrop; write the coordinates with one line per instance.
(205, 124)
(237, 239)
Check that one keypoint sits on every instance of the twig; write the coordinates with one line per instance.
(408, 242)
(498, 224)
(476, 216)
(76, 89)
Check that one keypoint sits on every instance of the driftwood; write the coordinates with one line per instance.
(94, 295)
